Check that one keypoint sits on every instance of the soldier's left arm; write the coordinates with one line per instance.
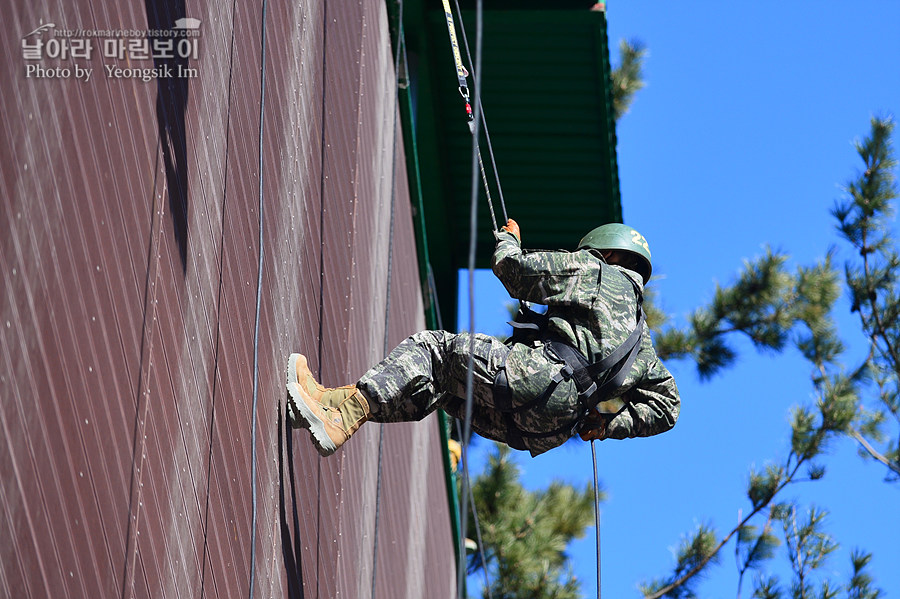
(651, 406)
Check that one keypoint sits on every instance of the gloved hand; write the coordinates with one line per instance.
(593, 427)
(512, 226)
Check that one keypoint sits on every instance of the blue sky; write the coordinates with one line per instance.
(742, 137)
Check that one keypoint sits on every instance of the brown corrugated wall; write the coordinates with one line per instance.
(128, 255)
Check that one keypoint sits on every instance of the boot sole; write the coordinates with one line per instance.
(302, 416)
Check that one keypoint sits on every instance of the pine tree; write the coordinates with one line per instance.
(864, 219)
(774, 307)
(526, 533)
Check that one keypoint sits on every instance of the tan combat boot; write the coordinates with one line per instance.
(330, 415)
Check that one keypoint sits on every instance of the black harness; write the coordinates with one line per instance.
(593, 381)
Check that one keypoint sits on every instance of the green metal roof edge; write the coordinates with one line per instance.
(612, 156)
(611, 148)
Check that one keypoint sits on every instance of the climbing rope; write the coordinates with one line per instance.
(473, 232)
(322, 148)
(596, 511)
(259, 275)
(481, 554)
(475, 118)
(487, 135)
(390, 262)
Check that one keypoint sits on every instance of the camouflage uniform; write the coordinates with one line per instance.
(590, 305)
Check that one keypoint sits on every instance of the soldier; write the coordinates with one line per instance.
(586, 366)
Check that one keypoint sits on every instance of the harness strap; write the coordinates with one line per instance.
(620, 352)
(502, 392)
(503, 402)
(592, 380)
(525, 326)
(619, 378)
(514, 434)
(577, 368)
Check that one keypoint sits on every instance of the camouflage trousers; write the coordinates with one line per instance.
(428, 371)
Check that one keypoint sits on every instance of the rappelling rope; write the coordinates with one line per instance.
(477, 117)
(481, 554)
(323, 146)
(474, 118)
(432, 289)
(487, 135)
(473, 232)
(390, 262)
(473, 115)
(596, 511)
(259, 275)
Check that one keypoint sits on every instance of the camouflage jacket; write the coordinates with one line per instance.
(592, 306)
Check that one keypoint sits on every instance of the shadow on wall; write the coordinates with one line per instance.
(171, 105)
(291, 552)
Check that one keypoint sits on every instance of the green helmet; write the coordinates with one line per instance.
(616, 236)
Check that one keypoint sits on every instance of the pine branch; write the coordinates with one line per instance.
(525, 533)
(662, 592)
(872, 451)
(794, 552)
(762, 548)
(880, 329)
(627, 79)
(864, 221)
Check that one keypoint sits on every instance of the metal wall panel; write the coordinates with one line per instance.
(129, 266)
